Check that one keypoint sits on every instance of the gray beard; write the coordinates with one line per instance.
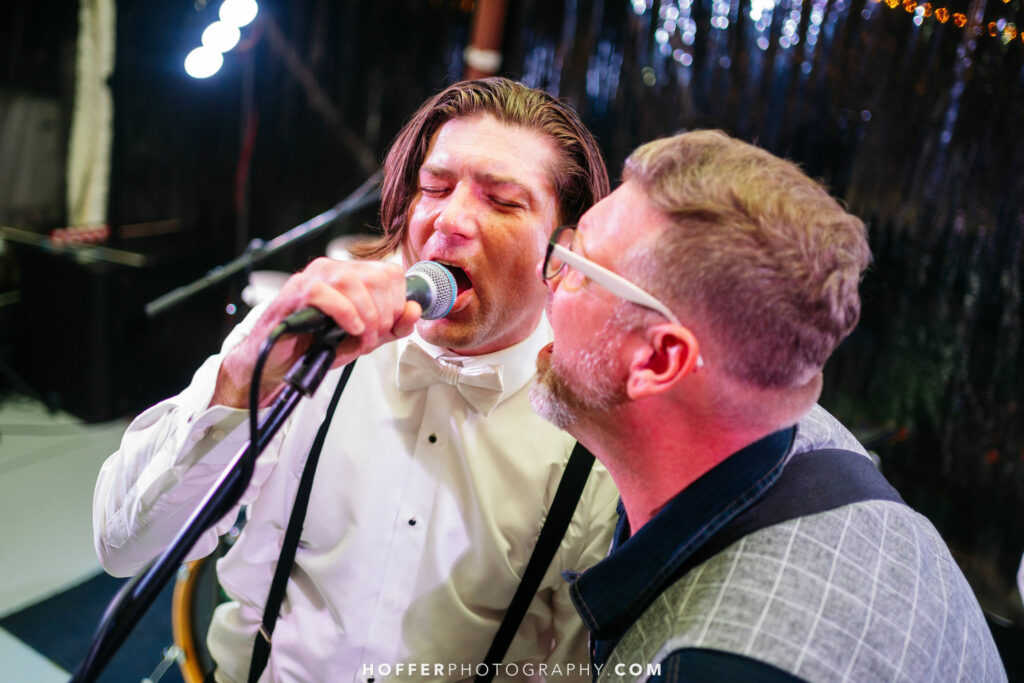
(597, 385)
(553, 409)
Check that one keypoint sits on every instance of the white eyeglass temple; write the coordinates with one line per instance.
(617, 285)
(613, 282)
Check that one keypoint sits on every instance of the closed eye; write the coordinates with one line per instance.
(508, 204)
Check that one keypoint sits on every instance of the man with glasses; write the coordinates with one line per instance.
(693, 311)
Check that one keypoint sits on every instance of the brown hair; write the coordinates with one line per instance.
(757, 252)
(579, 176)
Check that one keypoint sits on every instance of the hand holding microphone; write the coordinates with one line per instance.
(428, 283)
(369, 302)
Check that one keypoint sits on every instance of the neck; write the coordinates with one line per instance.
(653, 452)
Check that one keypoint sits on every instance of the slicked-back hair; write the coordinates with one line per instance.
(757, 251)
(579, 176)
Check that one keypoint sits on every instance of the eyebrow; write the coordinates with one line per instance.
(490, 179)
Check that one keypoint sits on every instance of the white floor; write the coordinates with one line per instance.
(48, 465)
(22, 663)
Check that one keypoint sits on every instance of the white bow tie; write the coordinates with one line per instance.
(480, 385)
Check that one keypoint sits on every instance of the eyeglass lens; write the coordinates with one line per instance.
(564, 237)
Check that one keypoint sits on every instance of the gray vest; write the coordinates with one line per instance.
(865, 592)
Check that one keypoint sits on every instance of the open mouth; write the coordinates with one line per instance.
(462, 281)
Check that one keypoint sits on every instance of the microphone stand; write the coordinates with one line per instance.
(134, 599)
(258, 250)
(131, 602)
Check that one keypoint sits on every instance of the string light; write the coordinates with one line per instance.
(1002, 29)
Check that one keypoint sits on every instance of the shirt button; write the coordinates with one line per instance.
(197, 435)
(432, 438)
(412, 521)
(216, 434)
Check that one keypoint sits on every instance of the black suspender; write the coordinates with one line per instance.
(567, 495)
(261, 648)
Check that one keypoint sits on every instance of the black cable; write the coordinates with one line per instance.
(257, 378)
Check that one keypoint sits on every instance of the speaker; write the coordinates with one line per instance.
(83, 341)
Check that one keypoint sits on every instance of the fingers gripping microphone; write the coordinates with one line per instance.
(428, 283)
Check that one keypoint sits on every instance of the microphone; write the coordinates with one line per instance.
(428, 283)
(433, 287)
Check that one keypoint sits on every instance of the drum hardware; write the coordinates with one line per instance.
(196, 595)
(172, 654)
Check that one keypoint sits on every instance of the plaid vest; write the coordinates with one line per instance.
(864, 592)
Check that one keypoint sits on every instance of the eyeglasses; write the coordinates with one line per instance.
(560, 253)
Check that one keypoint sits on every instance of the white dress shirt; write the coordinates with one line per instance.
(421, 520)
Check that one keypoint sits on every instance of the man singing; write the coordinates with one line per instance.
(435, 476)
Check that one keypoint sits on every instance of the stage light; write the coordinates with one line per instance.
(238, 12)
(203, 62)
(221, 36)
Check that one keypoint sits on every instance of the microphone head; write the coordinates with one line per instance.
(441, 289)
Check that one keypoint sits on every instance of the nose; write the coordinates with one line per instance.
(458, 215)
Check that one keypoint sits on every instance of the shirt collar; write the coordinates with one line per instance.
(518, 362)
(612, 594)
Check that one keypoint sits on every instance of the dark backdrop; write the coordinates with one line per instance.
(910, 119)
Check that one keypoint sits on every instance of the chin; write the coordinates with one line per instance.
(546, 404)
(448, 334)
(437, 332)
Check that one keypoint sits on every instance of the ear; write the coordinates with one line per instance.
(667, 356)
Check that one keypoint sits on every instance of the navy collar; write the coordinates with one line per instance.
(612, 594)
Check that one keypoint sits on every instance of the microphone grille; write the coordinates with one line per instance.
(442, 288)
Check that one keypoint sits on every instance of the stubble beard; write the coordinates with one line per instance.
(587, 383)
